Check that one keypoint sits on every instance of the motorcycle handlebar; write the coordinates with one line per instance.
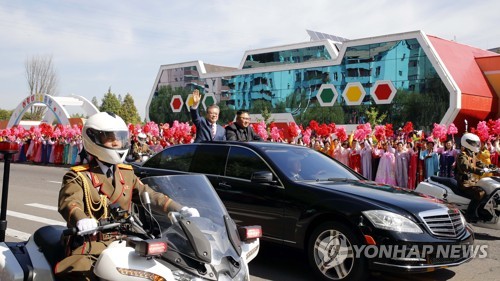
(74, 230)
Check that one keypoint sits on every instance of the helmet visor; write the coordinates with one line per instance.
(112, 140)
(473, 143)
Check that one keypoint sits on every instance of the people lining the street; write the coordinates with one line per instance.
(405, 160)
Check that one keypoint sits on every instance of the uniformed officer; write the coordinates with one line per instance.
(469, 169)
(141, 148)
(88, 190)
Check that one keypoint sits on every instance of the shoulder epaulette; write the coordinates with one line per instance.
(80, 168)
(125, 166)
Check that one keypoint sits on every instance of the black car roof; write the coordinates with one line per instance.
(255, 144)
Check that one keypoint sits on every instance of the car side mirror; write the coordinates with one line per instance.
(262, 177)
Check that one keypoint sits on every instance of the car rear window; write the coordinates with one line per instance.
(177, 158)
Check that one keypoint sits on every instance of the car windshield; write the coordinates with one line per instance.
(195, 191)
(300, 163)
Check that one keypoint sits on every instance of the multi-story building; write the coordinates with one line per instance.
(410, 76)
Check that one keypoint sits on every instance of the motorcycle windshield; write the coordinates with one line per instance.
(195, 191)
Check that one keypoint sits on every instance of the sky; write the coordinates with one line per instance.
(120, 45)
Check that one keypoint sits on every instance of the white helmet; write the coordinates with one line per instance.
(471, 142)
(141, 137)
(102, 127)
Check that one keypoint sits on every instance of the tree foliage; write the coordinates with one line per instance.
(5, 114)
(110, 103)
(374, 116)
(128, 111)
(95, 102)
(42, 79)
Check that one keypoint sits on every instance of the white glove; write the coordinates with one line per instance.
(486, 170)
(189, 212)
(86, 224)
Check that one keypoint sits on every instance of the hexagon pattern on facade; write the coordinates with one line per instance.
(354, 93)
(208, 100)
(383, 92)
(189, 102)
(327, 95)
(176, 103)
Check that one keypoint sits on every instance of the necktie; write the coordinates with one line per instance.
(214, 129)
(109, 173)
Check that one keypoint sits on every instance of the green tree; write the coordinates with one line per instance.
(128, 111)
(95, 102)
(5, 114)
(373, 116)
(110, 103)
(226, 114)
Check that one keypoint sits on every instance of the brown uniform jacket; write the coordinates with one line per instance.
(73, 204)
(468, 170)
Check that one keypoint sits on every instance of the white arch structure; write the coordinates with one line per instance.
(56, 105)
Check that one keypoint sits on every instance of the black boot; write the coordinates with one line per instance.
(471, 214)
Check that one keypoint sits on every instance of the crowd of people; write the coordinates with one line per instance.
(402, 157)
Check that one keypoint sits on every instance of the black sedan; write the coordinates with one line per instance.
(307, 200)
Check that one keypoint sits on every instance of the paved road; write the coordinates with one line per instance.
(33, 199)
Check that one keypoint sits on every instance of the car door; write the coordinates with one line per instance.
(251, 203)
(210, 160)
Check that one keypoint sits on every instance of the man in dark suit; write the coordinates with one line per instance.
(241, 130)
(207, 128)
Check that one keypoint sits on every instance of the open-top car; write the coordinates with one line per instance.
(303, 198)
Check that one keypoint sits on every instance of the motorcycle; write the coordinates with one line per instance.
(447, 190)
(149, 244)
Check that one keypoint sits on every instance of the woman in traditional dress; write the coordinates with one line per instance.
(386, 171)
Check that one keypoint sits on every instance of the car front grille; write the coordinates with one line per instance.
(445, 223)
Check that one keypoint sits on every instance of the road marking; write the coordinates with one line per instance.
(58, 182)
(41, 206)
(34, 218)
(23, 236)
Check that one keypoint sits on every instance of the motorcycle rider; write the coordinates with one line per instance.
(88, 191)
(141, 148)
(469, 169)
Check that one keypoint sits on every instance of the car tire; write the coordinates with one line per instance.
(330, 253)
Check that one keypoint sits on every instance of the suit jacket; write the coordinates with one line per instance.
(204, 128)
(237, 133)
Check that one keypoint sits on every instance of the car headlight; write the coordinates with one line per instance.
(462, 218)
(391, 221)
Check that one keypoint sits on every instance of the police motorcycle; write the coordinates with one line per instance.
(151, 245)
(447, 190)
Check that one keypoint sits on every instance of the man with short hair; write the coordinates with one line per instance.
(207, 128)
(241, 130)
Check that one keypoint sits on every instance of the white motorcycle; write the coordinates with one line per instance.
(447, 190)
(152, 246)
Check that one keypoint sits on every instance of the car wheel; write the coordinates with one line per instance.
(331, 254)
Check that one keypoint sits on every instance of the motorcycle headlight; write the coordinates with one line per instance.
(392, 221)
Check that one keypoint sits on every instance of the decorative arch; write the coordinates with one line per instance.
(57, 105)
